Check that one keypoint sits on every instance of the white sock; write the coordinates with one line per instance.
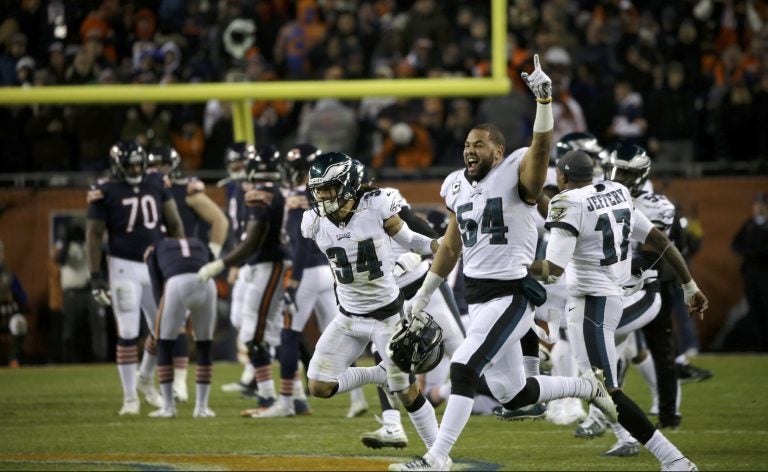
(355, 377)
(128, 379)
(531, 366)
(681, 359)
(456, 415)
(664, 450)
(622, 434)
(425, 422)
(679, 398)
(445, 390)
(392, 418)
(180, 377)
(298, 390)
(248, 374)
(266, 388)
(201, 394)
(148, 364)
(551, 388)
(648, 373)
(285, 401)
(166, 389)
(356, 395)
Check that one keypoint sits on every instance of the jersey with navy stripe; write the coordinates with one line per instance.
(133, 214)
(498, 230)
(172, 256)
(603, 218)
(359, 251)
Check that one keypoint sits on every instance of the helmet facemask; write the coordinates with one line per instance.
(326, 199)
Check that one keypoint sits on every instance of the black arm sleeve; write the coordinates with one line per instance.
(419, 225)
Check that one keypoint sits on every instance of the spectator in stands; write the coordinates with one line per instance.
(149, 124)
(407, 147)
(751, 242)
(734, 132)
(567, 112)
(672, 119)
(15, 48)
(330, 123)
(509, 112)
(628, 124)
(57, 63)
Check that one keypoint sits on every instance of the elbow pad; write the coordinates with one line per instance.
(416, 242)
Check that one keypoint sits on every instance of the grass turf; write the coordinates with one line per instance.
(70, 411)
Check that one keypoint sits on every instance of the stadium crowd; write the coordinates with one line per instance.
(685, 79)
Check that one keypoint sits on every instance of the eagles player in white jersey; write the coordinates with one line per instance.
(492, 225)
(355, 230)
(592, 225)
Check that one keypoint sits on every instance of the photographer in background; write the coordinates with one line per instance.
(84, 333)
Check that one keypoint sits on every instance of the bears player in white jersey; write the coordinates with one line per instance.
(173, 265)
(591, 228)
(199, 215)
(263, 249)
(355, 230)
(131, 207)
(492, 226)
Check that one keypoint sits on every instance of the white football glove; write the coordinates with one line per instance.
(539, 82)
(405, 263)
(100, 290)
(417, 304)
(210, 270)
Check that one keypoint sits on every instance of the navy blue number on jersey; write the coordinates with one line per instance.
(492, 223)
(367, 261)
(609, 246)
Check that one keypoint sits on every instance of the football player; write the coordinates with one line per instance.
(591, 228)
(492, 203)
(173, 265)
(131, 207)
(266, 258)
(355, 229)
(198, 214)
(309, 287)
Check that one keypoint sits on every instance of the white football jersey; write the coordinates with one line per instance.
(398, 249)
(604, 219)
(498, 229)
(657, 208)
(359, 251)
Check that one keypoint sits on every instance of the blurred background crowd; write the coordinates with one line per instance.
(687, 79)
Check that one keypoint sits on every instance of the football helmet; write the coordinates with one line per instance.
(235, 158)
(418, 346)
(264, 166)
(296, 162)
(629, 165)
(586, 142)
(166, 155)
(124, 156)
(334, 179)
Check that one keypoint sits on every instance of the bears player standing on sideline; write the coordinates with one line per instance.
(198, 214)
(591, 228)
(492, 226)
(355, 229)
(264, 251)
(132, 207)
(173, 265)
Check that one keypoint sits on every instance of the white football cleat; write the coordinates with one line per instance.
(130, 407)
(147, 387)
(565, 411)
(389, 435)
(600, 396)
(682, 463)
(203, 412)
(234, 387)
(163, 413)
(423, 463)
(275, 411)
(357, 408)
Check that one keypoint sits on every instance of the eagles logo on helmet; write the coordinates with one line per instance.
(418, 346)
(336, 171)
(629, 165)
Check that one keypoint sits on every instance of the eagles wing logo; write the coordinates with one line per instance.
(556, 213)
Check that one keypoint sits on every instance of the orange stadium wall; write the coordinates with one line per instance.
(723, 205)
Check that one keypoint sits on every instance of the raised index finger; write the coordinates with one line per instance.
(536, 64)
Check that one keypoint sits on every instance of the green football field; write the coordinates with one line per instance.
(64, 418)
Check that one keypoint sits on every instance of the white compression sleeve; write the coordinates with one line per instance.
(544, 121)
(560, 248)
(416, 242)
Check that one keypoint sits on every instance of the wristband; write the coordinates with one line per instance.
(431, 283)
(690, 288)
(544, 122)
(215, 249)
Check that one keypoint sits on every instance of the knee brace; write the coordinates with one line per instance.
(527, 396)
(464, 380)
(258, 353)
